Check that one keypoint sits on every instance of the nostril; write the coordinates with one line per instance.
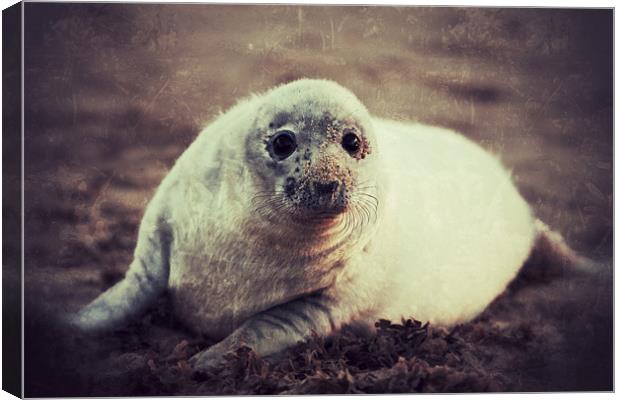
(326, 188)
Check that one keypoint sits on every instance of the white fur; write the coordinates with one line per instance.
(453, 231)
(450, 232)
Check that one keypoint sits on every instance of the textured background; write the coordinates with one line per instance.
(114, 93)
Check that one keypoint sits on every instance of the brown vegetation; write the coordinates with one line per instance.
(114, 93)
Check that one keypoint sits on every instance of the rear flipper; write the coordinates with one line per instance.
(145, 280)
(552, 257)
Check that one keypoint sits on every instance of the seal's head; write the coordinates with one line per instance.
(312, 147)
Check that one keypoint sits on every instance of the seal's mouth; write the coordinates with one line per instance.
(313, 203)
(316, 221)
(319, 215)
(317, 211)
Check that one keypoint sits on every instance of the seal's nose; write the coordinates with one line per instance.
(325, 188)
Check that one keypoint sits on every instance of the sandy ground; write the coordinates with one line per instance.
(115, 93)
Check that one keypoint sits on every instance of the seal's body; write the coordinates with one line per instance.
(296, 211)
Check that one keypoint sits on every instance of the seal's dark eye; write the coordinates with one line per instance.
(283, 144)
(350, 142)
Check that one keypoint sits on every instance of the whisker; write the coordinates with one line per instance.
(370, 203)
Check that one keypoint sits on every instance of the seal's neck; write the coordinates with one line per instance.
(305, 239)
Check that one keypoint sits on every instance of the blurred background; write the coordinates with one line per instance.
(115, 92)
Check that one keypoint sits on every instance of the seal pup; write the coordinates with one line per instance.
(297, 211)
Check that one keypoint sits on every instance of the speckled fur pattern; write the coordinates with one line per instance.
(421, 222)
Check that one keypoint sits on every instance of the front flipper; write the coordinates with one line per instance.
(146, 279)
(276, 329)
